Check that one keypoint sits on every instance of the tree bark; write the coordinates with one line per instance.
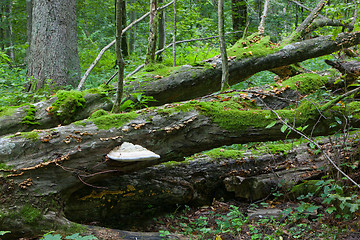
(119, 59)
(124, 41)
(224, 59)
(162, 35)
(29, 7)
(132, 34)
(261, 27)
(53, 54)
(174, 37)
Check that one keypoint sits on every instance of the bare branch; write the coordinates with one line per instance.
(307, 22)
(261, 27)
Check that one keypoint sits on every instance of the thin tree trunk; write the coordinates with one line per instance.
(119, 59)
(2, 25)
(132, 16)
(29, 6)
(261, 27)
(225, 66)
(150, 55)
(174, 37)
(124, 42)
(162, 35)
(10, 51)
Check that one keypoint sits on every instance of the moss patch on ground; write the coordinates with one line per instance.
(253, 45)
(306, 82)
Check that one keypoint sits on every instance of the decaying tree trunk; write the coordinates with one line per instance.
(191, 82)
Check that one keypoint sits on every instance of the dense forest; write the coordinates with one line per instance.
(182, 119)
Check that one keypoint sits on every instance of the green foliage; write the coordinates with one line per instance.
(76, 236)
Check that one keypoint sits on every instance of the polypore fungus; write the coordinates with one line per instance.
(128, 152)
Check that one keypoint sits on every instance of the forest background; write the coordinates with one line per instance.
(195, 20)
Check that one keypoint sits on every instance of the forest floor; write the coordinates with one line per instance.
(271, 219)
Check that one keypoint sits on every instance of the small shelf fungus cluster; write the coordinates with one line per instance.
(128, 152)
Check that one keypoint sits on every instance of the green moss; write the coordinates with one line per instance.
(253, 45)
(3, 166)
(113, 120)
(304, 188)
(102, 90)
(98, 113)
(220, 153)
(224, 113)
(29, 119)
(153, 72)
(68, 103)
(30, 135)
(307, 82)
(7, 111)
(80, 123)
(27, 214)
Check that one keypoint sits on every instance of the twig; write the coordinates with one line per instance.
(318, 146)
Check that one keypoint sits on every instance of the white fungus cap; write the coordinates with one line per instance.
(128, 152)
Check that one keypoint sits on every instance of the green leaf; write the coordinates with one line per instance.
(51, 237)
(330, 210)
(354, 207)
(4, 232)
(76, 236)
(271, 124)
(125, 105)
(335, 33)
(283, 128)
(338, 120)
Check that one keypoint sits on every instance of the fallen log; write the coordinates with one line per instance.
(195, 81)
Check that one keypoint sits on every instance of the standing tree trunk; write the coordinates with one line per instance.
(239, 16)
(150, 56)
(29, 8)
(162, 36)
(132, 16)
(53, 56)
(6, 28)
(225, 66)
(174, 36)
(119, 59)
(124, 42)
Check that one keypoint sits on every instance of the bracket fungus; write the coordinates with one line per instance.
(128, 152)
